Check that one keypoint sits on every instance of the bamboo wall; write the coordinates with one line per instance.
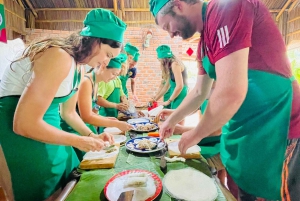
(15, 19)
(293, 24)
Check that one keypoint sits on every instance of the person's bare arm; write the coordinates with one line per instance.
(177, 71)
(229, 94)
(85, 107)
(50, 69)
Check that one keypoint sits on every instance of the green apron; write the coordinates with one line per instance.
(177, 101)
(210, 146)
(37, 169)
(124, 79)
(252, 142)
(69, 129)
(114, 97)
(167, 96)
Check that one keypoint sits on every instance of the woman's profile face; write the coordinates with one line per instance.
(108, 74)
(102, 54)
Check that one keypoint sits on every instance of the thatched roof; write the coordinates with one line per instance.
(69, 14)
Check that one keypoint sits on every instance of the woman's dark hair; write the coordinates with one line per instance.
(79, 47)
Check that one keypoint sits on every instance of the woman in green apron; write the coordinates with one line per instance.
(87, 105)
(133, 57)
(167, 95)
(175, 77)
(39, 84)
(111, 97)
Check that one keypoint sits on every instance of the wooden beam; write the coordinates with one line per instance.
(54, 21)
(69, 9)
(283, 9)
(128, 22)
(294, 4)
(15, 14)
(21, 4)
(294, 19)
(31, 7)
(274, 10)
(137, 9)
(193, 39)
(115, 6)
(294, 32)
(122, 8)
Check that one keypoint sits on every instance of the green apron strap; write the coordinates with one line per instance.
(177, 101)
(124, 83)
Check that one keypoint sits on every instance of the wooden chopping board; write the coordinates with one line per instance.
(186, 156)
(100, 163)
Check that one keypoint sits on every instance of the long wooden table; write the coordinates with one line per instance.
(91, 184)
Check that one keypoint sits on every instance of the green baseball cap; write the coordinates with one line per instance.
(136, 56)
(164, 51)
(102, 23)
(123, 57)
(116, 62)
(131, 49)
(156, 5)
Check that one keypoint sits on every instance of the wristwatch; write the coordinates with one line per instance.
(96, 107)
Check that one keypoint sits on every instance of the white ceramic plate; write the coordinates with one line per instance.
(115, 186)
(138, 120)
(112, 130)
(155, 111)
(119, 138)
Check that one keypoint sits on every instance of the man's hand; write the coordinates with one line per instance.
(187, 140)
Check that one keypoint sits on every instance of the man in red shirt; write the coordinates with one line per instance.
(256, 99)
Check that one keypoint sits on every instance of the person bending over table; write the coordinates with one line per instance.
(174, 74)
(43, 79)
(133, 56)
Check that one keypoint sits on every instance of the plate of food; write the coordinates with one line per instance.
(145, 144)
(119, 138)
(145, 185)
(144, 127)
(138, 120)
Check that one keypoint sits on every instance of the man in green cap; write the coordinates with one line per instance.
(255, 90)
(133, 57)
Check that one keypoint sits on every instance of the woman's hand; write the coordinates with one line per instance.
(166, 103)
(123, 126)
(87, 144)
(162, 115)
(106, 137)
(122, 107)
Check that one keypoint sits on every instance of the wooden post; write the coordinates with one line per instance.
(294, 4)
(122, 8)
(31, 7)
(21, 4)
(283, 9)
(115, 7)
